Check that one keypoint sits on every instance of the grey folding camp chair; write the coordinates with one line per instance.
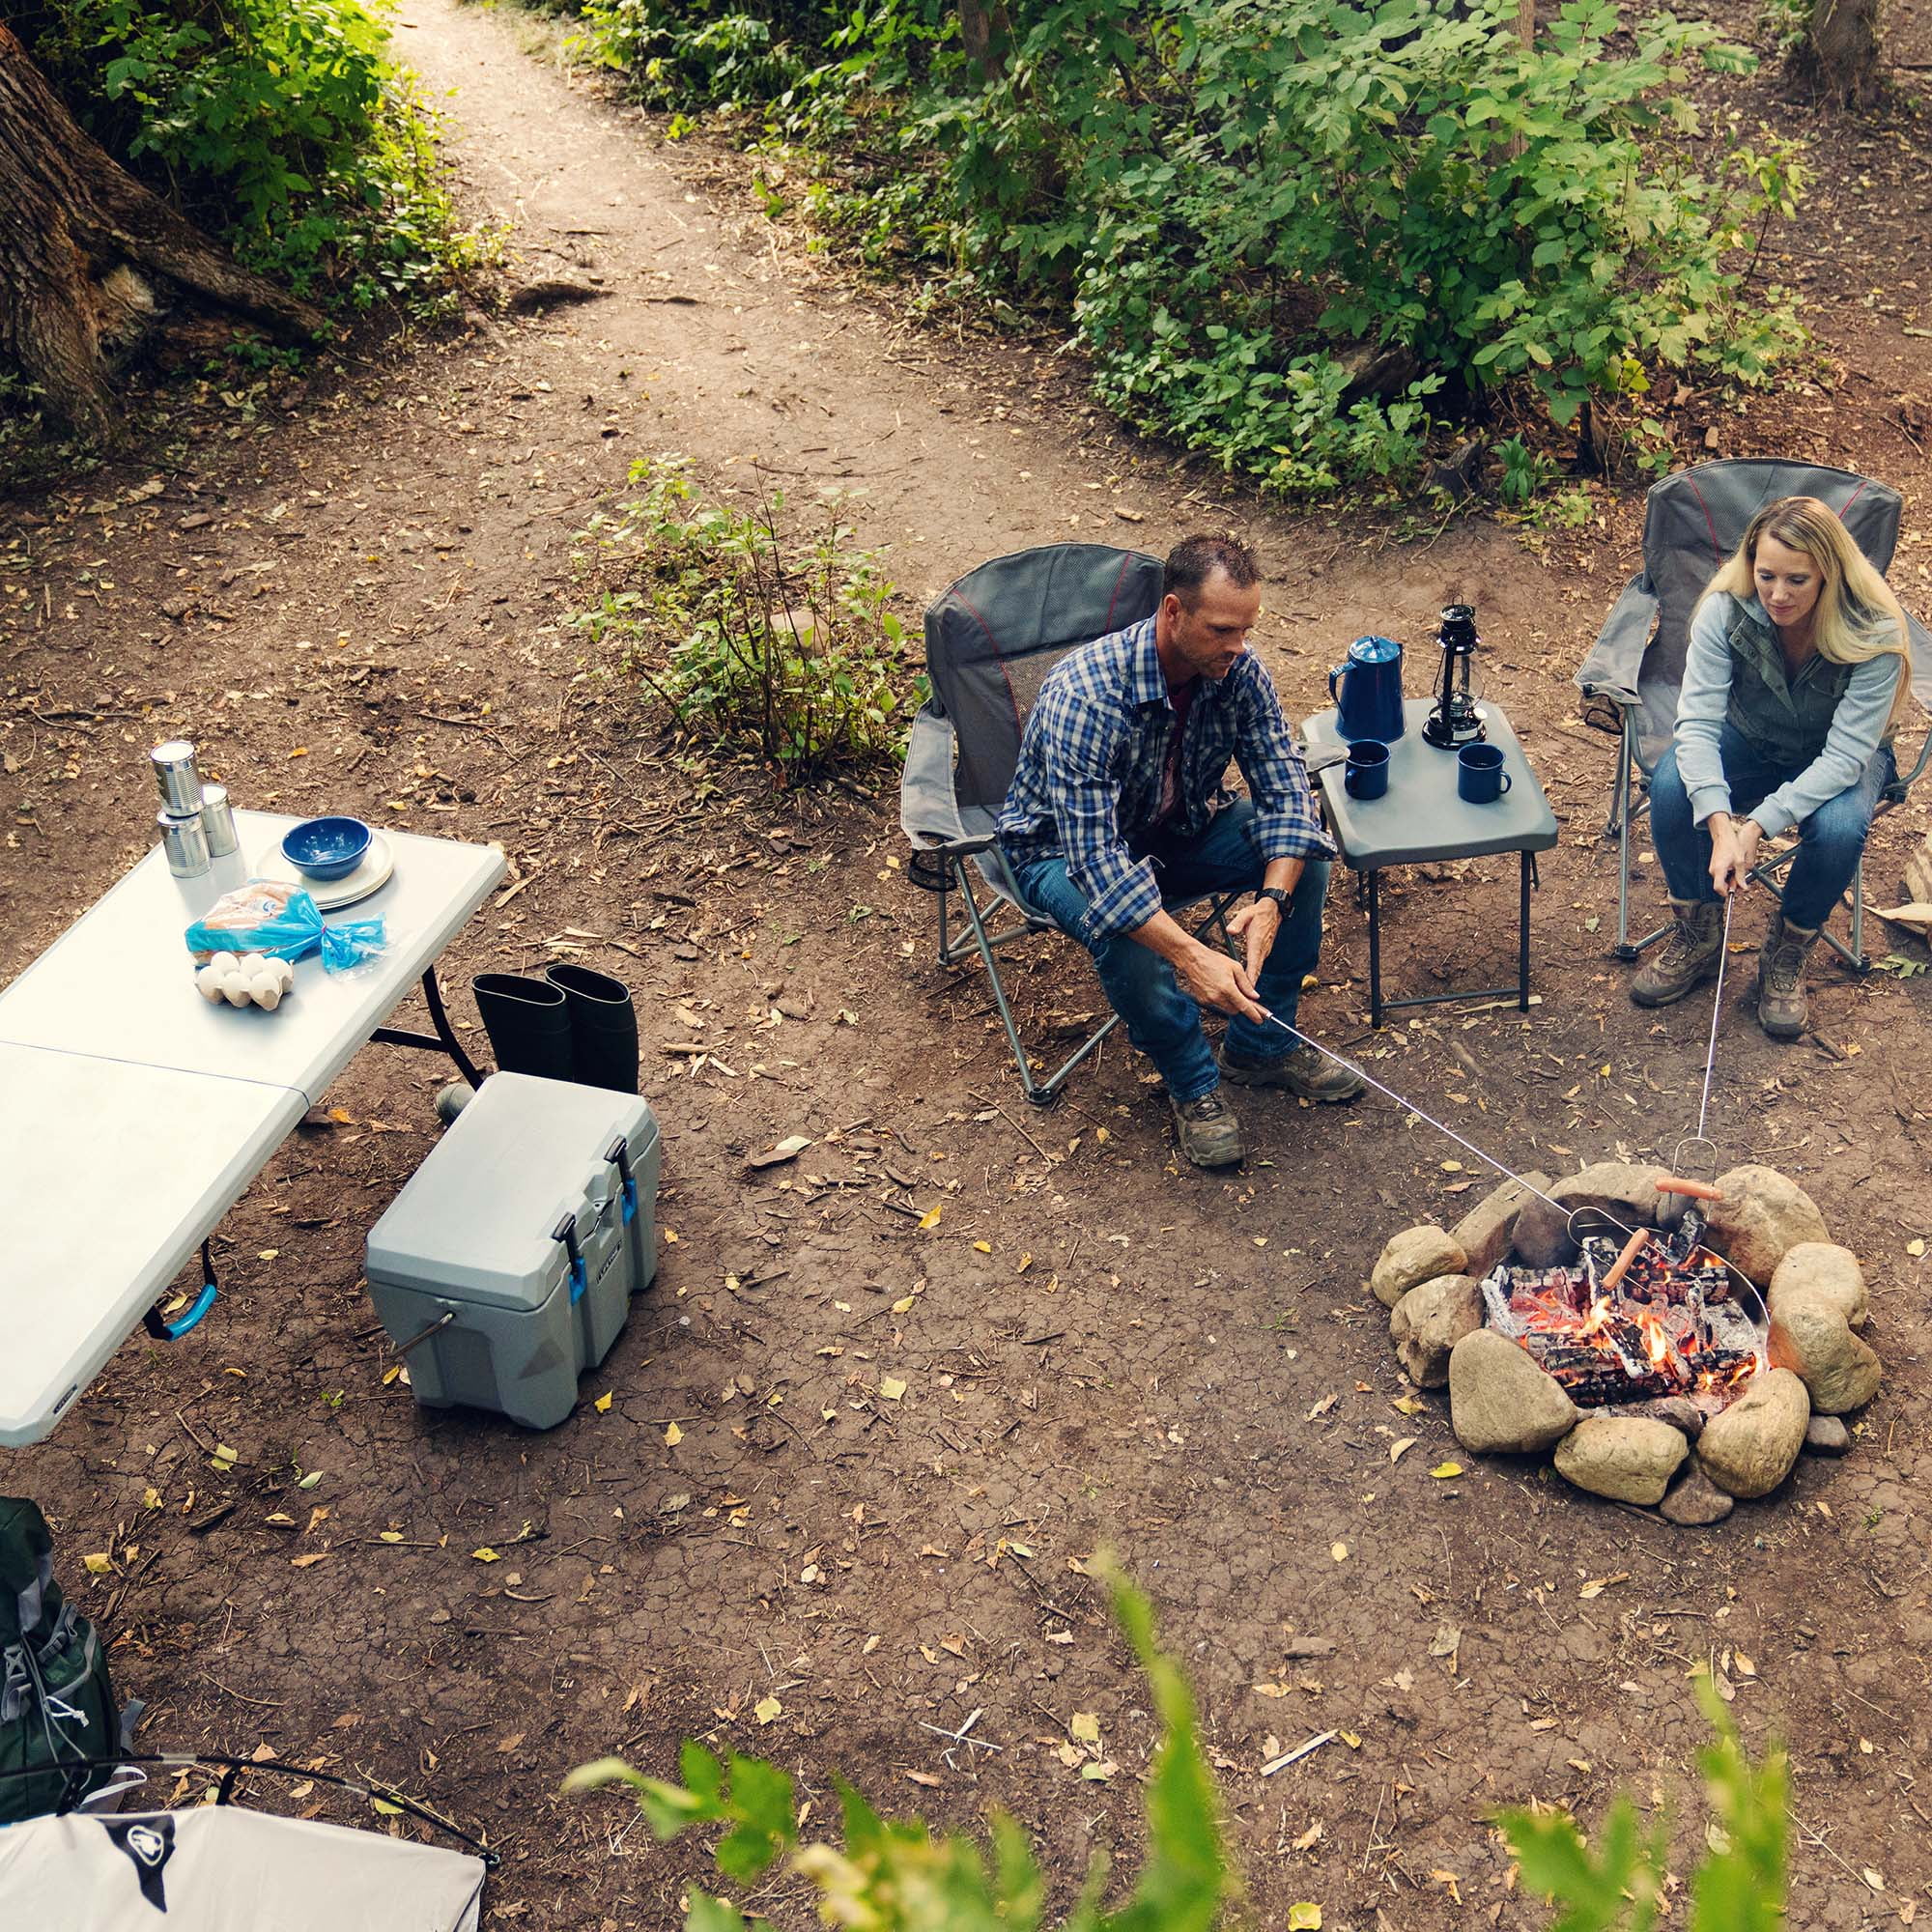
(1692, 523)
(990, 641)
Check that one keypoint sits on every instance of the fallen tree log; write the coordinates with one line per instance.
(82, 245)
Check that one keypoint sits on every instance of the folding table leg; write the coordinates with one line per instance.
(442, 1040)
(1372, 881)
(1522, 938)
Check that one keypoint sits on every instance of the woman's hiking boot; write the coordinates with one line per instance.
(1688, 957)
(1782, 1009)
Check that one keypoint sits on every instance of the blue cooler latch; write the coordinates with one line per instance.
(565, 1231)
(618, 1154)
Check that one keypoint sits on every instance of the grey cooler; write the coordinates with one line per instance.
(505, 1268)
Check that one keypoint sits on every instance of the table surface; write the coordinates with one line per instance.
(136, 1113)
(1421, 817)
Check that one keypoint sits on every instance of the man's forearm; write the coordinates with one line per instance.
(1284, 873)
(1165, 934)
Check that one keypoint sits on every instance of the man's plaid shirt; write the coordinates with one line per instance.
(1088, 781)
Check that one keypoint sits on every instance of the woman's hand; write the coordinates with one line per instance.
(1255, 926)
(1734, 843)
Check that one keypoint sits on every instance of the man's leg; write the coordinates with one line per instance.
(1226, 859)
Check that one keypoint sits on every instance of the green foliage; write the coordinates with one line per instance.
(279, 124)
(897, 1875)
(1738, 1887)
(746, 630)
(1223, 196)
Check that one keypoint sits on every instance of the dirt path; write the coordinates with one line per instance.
(355, 601)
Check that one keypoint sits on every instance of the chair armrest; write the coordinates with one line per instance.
(952, 848)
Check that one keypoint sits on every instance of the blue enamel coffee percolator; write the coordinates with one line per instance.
(1368, 704)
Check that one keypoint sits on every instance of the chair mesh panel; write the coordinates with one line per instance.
(1694, 519)
(993, 637)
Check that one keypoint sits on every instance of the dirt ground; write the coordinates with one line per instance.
(351, 592)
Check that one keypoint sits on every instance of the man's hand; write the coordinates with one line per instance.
(1208, 976)
(1255, 926)
(1734, 844)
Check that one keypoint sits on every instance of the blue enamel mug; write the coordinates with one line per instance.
(1367, 691)
(1480, 777)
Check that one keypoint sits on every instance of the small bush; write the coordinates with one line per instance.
(747, 630)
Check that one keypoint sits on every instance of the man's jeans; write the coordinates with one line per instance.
(1163, 1021)
(1830, 840)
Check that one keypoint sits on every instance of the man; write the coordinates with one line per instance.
(1117, 805)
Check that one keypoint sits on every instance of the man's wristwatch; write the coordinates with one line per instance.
(1278, 894)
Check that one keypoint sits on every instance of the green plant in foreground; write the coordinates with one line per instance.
(896, 1875)
(1738, 1887)
(746, 630)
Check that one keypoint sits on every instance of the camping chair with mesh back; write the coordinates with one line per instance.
(990, 640)
(1692, 523)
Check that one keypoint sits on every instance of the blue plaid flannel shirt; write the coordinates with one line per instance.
(1088, 785)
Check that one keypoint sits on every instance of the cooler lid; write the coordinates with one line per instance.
(477, 1222)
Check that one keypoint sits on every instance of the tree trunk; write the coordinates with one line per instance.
(985, 31)
(76, 233)
(1841, 53)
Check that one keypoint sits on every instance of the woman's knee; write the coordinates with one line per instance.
(1838, 829)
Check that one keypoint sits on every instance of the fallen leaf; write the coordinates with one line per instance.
(891, 1387)
(1099, 1772)
(510, 1742)
(1339, 1551)
(1322, 1406)
(1086, 1726)
(1308, 1840)
(388, 1536)
(1445, 1471)
(98, 1564)
(903, 1305)
(1398, 1450)
(1407, 1405)
(1916, 1247)
(486, 1556)
(1874, 1879)
(766, 1709)
(983, 1247)
(302, 1562)
(673, 1435)
(1305, 1918)
(1448, 1639)
(1597, 1585)
(924, 1778)
(603, 1403)
(309, 1481)
(930, 1219)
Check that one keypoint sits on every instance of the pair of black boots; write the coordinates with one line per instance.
(572, 1024)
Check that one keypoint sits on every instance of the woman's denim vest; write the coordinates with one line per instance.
(1783, 719)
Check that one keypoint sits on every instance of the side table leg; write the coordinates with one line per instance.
(1522, 940)
(1372, 880)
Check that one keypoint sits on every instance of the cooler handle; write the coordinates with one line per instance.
(565, 1231)
(618, 1154)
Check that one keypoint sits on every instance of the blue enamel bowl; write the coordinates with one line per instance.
(327, 848)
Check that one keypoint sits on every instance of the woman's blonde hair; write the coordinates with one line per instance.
(1858, 616)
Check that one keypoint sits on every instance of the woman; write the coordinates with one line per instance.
(1796, 677)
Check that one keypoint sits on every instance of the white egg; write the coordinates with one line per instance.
(208, 983)
(235, 992)
(268, 996)
(285, 973)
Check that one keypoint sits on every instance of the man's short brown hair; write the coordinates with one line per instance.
(1193, 560)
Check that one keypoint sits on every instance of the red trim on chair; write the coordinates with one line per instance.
(999, 656)
(1864, 484)
(1126, 563)
(1717, 549)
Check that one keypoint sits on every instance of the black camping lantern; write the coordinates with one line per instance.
(1455, 720)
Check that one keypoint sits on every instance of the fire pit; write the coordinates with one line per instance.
(1673, 1348)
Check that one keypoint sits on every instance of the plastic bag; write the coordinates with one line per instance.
(282, 920)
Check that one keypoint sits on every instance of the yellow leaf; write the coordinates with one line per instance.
(486, 1556)
(1339, 1551)
(389, 1535)
(1407, 1405)
(1098, 1773)
(1452, 1167)
(151, 1497)
(1086, 1726)
(931, 1219)
(902, 1305)
(302, 1562)
(673, 1435)
(268, 1254)
(892, 1388)
(603, 1403)
(1442, 1471)
(1398, 1450)
(98, 1564)
(671, 1236)
(983, 1247)
(766, 1709)
(1304, 1918)
(390, 1374)
(342, 1117)
(1350, 1739)
(1914, 1247)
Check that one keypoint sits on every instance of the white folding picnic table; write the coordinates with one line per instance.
(134, 1113)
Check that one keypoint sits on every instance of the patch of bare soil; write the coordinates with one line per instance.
(354, 600)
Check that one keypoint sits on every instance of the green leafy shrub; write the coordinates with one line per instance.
(744, 629)
(281, 124)
(1223, 197)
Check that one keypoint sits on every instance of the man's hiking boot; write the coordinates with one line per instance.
(1304, 1072)
(1688, 957)
(1782, 1009)
(1209, 1133)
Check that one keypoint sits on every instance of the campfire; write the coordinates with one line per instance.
(1661, 1317)
(1673, 1343)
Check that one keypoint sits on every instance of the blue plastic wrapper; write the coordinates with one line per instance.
(282, 921)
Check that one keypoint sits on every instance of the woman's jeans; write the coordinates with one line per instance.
(1832, 841)
(1163, 1021)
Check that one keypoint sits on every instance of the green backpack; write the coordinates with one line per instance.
(56, 1702)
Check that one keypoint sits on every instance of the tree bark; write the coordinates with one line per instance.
(76, 231)
(985, 31)
(1839, 55)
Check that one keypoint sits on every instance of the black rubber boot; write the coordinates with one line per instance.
(528, 1024)
(603, 1027)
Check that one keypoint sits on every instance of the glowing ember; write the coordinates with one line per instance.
(1662, 1318)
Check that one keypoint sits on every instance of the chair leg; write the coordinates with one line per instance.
(1624, 807)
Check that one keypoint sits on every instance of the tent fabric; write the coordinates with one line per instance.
(1692, 523)
(219, 1868)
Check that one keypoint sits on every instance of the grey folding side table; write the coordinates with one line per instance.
(1423, 820)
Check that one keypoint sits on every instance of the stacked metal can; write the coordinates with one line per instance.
(197, 824)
